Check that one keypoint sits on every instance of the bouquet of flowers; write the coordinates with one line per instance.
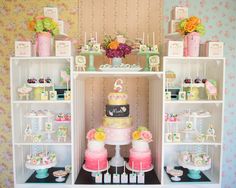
(191, 24)
(142, 133)
(116, 47)
(41, 24)
(96, 134)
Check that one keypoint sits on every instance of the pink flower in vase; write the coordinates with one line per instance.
(90, 134)
(146, 136)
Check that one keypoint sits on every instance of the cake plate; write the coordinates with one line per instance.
(194, 171)
(137, 171)
(117, 160)
(41, 170)
(93, 172)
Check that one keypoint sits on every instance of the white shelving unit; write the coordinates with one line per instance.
(72, 151)
(23, 68)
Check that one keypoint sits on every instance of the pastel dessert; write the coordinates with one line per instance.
(96, 154)
(41, 159)
(117, 123)
(140, 157)
(195, 159)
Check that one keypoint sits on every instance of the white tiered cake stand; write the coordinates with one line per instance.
(117, 160)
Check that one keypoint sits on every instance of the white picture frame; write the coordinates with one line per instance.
(23, 48)
(51, 12)
(62, 48)
(175, 48)
(182, 96)
(168, 96)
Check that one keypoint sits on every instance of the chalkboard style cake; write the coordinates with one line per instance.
(117, 123)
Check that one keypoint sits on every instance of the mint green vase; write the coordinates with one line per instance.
(116, 61)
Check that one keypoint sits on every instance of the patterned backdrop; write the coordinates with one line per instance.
(218, 15)
(220, 20)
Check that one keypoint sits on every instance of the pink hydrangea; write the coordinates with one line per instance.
(90, 134)
(146, 136)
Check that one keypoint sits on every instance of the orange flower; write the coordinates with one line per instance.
(31, 25)
(113, 45)
(194, 20)
(189, 27)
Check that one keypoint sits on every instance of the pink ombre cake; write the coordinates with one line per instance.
(140, 157)
(96, 154)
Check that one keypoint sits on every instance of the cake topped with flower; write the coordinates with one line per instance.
(142, 133)
(140, 157)
(96, 134)
(96, 154)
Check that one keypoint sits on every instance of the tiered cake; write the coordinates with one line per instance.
(96, 154)
(140, 154)
(117, 123)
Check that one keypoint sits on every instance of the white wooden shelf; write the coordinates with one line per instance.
(192, 58)
(193, 143)
(43, 144)
(195, 102)
(41, 102)
(78, 74)
(43, 58)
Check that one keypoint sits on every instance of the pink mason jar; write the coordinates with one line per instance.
(44, 44)
(192, 44)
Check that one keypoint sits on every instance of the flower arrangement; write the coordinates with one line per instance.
(41, 24)
(191, 24)
(116, 47)
(96, 134)
(142, 133)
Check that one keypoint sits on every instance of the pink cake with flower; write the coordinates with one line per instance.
(96, 154)
(117, 122)
(140, 153)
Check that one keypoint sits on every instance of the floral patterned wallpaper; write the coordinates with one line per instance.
(220, 20)
(13, 18)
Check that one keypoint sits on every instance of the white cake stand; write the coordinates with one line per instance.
(93, 172)
(194, 171)
(137, 171)
(117, 160)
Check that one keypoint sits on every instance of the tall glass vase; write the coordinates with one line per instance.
(192, 44)
(44, 44)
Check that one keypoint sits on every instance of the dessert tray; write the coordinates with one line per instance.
(60, 175)
(133, 170)
(122, 67)
(40, 84)
(191, 166)
(40, 167)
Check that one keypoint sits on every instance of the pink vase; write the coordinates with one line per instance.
(192, 44)
(44, 44)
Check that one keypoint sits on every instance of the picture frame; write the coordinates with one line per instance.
(182, 96)
(61, 26)
(48, 126)
(62, 48)
(67, 95)
(51, 12)
(80, 63)
(179, 13)
(44, 96)
(53, 95)
(169, 137)
(23, 48)
(175, 48)
(176, 137)
(168, 96)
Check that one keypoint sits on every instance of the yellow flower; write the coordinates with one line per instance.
(136, 135)
(189, 27)
(194, 20)
(113, 45)
(100, 136)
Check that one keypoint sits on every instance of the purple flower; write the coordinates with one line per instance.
(121, 51)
